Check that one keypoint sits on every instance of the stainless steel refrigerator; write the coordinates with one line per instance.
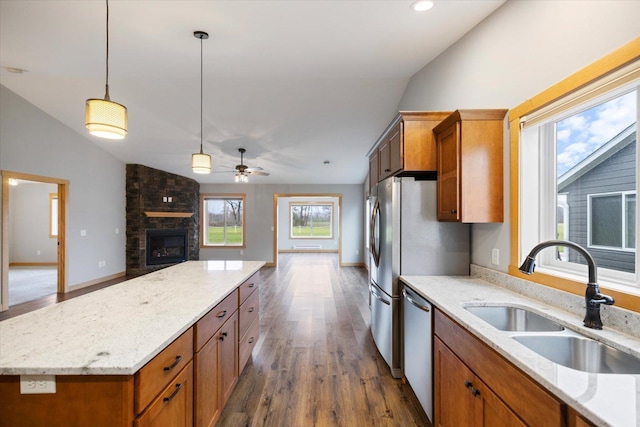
(406, 238)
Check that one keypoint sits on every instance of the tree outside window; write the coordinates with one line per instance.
(311, 220)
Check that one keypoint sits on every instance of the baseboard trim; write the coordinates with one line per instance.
(95, 281)
(353, 264)
(309, 251)
(33, 264)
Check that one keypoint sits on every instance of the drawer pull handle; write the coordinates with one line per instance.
(224, 334)
(475, 392)
(468, 384)
(251, 285)
(173, 365)
(251, 340)
(387, 170)
(251, 309)
(222, 314)
(176, 391)
(453, 211)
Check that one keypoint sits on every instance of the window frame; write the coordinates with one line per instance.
(311, 204)
(203, 219)
(626, 296)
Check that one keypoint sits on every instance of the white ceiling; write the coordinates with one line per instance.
(294, 82)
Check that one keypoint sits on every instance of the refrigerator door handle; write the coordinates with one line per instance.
(375, 251)
(414, 302)
(379, 297)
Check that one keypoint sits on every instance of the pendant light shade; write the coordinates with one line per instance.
(103, 117)
(200, 162)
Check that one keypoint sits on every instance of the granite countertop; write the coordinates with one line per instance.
(117, 330)
(604, 399)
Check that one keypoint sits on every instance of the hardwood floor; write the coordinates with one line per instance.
(315, 363)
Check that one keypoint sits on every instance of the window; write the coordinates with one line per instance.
(53, 215)
(612, 221)
(311, 220)
(578, 178)
(223, 220)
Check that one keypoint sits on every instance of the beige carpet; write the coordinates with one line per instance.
(29, 283)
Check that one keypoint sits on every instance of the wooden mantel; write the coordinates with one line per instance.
(169, 214)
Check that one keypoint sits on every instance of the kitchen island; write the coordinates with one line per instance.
(599, 399)
(106, 338)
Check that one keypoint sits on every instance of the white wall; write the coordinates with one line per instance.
(29, 239)
(33, 142)
(285, 242)
(259, 218)
(521, 49)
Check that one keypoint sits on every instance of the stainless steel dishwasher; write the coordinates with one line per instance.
(418, 347)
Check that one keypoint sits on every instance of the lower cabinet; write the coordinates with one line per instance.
(216, 364)
(174, 406)
(475, 386)
(462, 398)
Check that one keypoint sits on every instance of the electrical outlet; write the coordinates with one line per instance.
(357, 252)
(164, 199)
(241, 252)
(83, 233)
(37, 384)
(495, 256)
(117, 231)
(38, 251)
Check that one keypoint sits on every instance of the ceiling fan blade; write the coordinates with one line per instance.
(222, 171)
(258, 168)
(258, 173)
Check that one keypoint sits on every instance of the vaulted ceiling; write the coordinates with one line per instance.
(296, 82)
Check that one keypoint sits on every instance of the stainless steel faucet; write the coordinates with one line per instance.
(593, 297)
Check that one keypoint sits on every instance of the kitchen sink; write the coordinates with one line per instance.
(508, 318)
(580, 353)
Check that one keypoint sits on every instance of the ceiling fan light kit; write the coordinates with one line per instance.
(201, 162)
(103, 117)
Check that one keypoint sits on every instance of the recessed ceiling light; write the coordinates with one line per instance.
(422, 5)
(15, 70)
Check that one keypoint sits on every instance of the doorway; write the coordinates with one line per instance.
(283, 215)
(40, 204)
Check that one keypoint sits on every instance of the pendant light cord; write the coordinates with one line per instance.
(106, 95)
(201, 90)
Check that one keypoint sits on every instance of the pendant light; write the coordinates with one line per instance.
(103, 117)
(200, 162)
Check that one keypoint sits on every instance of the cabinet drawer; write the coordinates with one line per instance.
(247, 343)
(248, 286)
(213, 320)
(249, 312)
(532, 403)
(174, 406)
(155, 375)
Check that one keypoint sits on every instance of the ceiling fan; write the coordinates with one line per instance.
(242, 171)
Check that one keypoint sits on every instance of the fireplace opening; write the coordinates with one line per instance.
(167, 246)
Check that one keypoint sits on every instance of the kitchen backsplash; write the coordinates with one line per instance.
(620, 319)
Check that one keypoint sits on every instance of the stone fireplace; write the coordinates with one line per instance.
(163, 219)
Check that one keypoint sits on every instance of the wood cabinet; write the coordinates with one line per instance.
(475, 386)
(249, 328)
(216, 360)
(470, 146)
(463, 399)
(174, 405)
(407, 146)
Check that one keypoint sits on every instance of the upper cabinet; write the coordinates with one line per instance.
(407, 146)
(470, 145)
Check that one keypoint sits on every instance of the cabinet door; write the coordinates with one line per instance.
(228, 358)
(207, 400)
(448, 147)
(454, 403)
(174, 406)
(374, 169)
(396, 150)
(495, 412)
(384, 151)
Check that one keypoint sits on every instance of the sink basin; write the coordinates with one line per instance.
(507, 318)
(583, 354)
